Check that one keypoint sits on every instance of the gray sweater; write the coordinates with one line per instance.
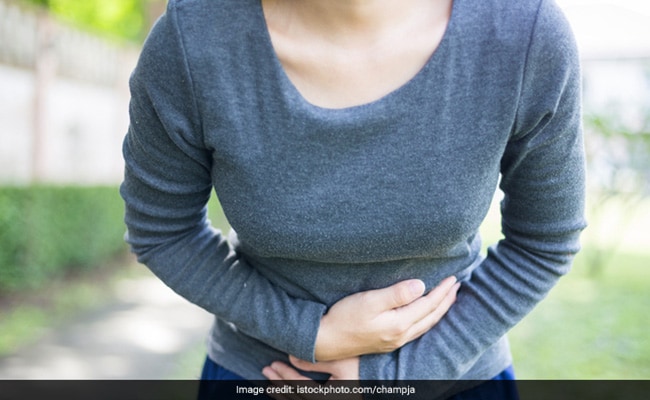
(329, 202)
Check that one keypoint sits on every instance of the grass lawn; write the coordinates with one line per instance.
(589, 327)
(595, 323)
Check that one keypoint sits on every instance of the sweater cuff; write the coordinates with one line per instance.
(303, 343)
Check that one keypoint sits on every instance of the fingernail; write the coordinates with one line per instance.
(416, 287)
(450, 282)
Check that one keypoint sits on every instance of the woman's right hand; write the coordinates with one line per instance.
(382, 320)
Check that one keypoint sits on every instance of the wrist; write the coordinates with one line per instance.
(330, 344)
(323, 347)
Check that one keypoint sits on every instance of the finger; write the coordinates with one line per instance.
(302, 364)
(322, 366)
(424, 306)
(347, 369)
(270, 374)
(285, 372)
(276, 381)
(425, 324)
(444, 288)
(397, 295)
(279, 372)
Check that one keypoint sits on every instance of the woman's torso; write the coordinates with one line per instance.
(328, 202)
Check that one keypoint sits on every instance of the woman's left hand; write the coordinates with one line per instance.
(347, 369)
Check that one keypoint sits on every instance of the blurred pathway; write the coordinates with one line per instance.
(143, 334)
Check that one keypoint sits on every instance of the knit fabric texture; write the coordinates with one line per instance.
(328, 202)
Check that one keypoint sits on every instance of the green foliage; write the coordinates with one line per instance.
(46, 230)
(619, 153)
(216, 215)
(21, 326)
(44, 3)
(119, 19)
(618, 157)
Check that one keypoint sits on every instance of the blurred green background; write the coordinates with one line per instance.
(54, 265)
(121, 20)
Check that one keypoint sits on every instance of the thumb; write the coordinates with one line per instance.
(397, 295)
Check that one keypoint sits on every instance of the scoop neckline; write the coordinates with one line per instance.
(296, 98)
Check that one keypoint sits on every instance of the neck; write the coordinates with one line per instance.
(349, 19)
(356, 14)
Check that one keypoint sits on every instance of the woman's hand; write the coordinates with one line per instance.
(347, 369)
(279, 373)
(383, 320)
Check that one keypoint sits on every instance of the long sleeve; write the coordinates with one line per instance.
(166, 187)
(542, 177)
